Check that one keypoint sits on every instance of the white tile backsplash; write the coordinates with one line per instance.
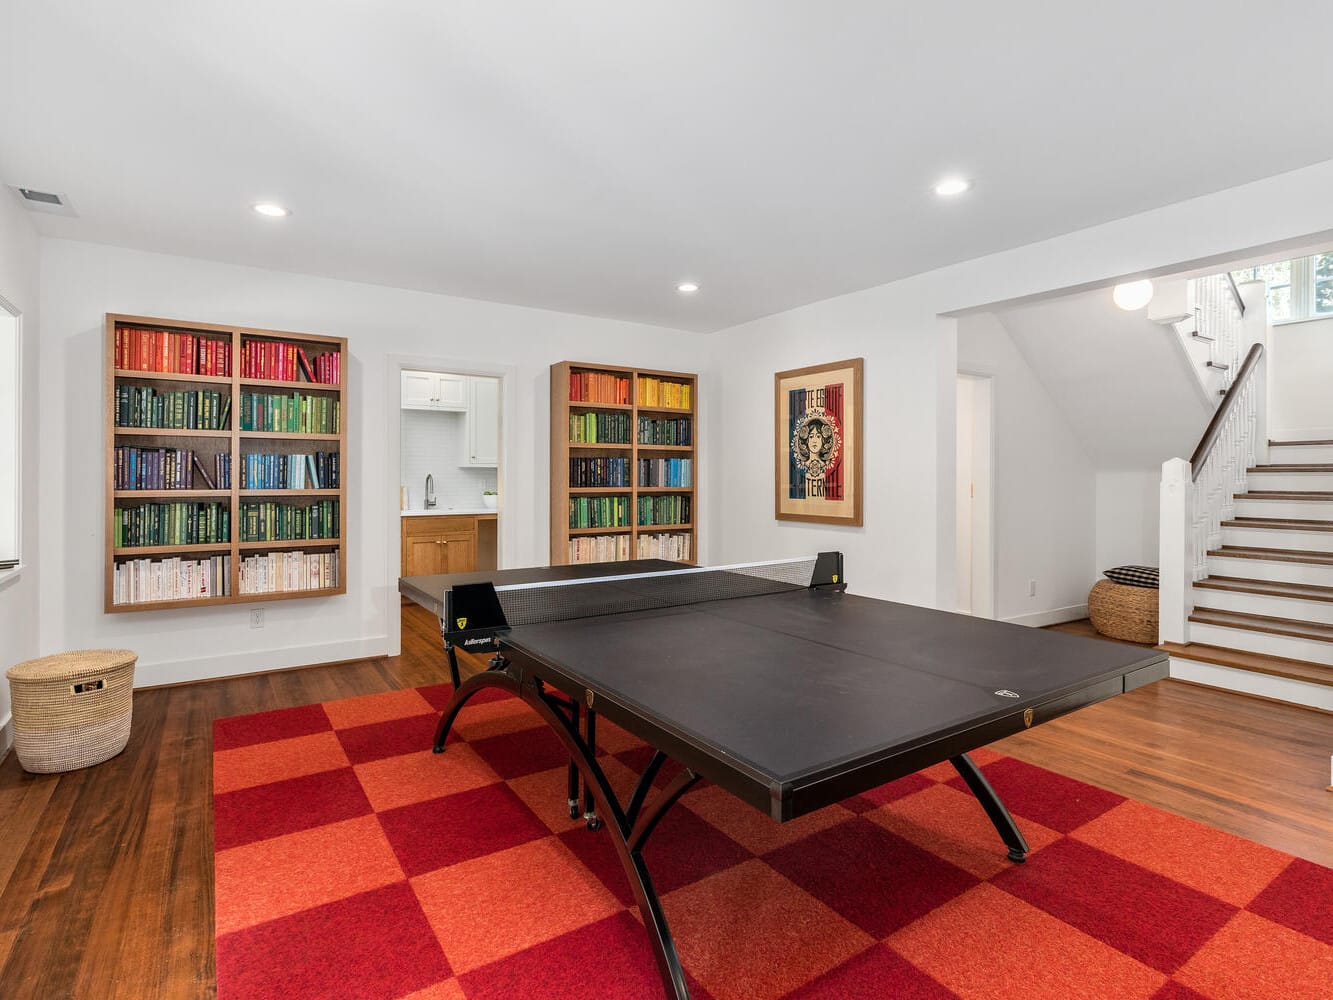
(436, 443)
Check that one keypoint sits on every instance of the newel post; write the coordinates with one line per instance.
(1175, 551)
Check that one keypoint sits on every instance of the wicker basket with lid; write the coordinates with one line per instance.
(73, 709)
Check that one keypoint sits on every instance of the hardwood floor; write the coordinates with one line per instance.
(106, 883)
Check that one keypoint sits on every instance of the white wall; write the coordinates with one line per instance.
(1127, 517)
(19, 593)
(1300, 382)
(1044, 485)
(906, 549)
(81, 282)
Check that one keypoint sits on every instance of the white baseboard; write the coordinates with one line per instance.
(1054, 616)
(1248, 682)
(237, 664)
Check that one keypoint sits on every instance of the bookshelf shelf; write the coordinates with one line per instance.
(572, 411)
(174, 372)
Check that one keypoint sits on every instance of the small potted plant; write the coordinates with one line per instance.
(489, 499)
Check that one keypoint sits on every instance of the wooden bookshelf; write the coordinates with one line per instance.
(643, 398)
(211, 359)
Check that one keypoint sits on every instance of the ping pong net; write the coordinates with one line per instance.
(476, 613)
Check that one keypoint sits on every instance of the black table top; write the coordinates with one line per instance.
(798, 699)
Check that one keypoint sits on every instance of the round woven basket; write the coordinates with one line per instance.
(1123, 612)
(73, 709)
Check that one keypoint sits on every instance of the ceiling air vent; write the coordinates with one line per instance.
(51, 202)
(42, 197)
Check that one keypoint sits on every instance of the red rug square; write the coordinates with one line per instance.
(876, 972)
(389, 739)
(286, 806)
(513, 755)
(1054, 801)
(1151, 918)
(265, 727)
(1300, 898)
(444, 831)
(874, 878)
(352, 939)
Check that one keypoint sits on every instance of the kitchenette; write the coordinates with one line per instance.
(448, 498)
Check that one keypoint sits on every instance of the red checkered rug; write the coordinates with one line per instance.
(353, 862)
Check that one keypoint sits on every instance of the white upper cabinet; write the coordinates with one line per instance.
(483, 422)
(434, 391)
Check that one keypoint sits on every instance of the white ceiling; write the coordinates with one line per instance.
(587, 155)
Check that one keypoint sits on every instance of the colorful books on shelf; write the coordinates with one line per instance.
(599, 512)
(143, 581)
(674, 545)
(166, 469)
(175, 523)
(170, 352)
(599, 428)
(669, 509)
(193, 410)
(289, 570)
(599, 548)
(271, 521)
(282, 361)
(598, 387)
(667, 472)
(656, 392)
(295, 413)
(316, 471)
(665, 430)
(592, 472)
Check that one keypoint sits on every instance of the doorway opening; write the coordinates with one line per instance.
(975, 493)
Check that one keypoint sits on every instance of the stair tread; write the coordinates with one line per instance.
(1242, 659)
(1268, 588)
(1293, 467)
(1310, 495)
(1293, 444)
(1273, 555)
(1280, 523)
(1290, 627)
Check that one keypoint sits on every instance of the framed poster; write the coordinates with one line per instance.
(818, 458)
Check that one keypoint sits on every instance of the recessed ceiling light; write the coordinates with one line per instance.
(271, 209)
(687, 287)
(1133, 294)
(951, 186)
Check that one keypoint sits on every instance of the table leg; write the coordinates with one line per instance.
(629, 830)
(999, 816)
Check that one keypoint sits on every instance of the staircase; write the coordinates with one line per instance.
(1262, 613)
(1246, 524)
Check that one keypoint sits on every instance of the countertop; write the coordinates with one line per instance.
(446, 511)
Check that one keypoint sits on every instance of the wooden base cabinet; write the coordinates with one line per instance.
(439, 544)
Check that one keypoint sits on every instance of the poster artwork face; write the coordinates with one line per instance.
(815, 416)
(818, 461)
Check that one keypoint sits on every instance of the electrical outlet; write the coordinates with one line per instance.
(256, 617)
(1032, 588)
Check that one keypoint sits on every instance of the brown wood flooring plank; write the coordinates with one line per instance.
(106, 875)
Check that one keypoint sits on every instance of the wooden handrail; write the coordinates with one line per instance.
(1214, 429)
(1235, 292)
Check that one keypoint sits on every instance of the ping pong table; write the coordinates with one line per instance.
(768, 680)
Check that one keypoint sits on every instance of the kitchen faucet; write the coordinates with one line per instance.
(430, 491)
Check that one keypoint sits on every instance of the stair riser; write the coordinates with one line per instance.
(1269, 538)
(1263, 569)
(1311, 650)
(1311, 510)
(1262, 604)
(1298, 454)
(1289, 481)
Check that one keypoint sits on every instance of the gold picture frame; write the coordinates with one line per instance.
(818, 456)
